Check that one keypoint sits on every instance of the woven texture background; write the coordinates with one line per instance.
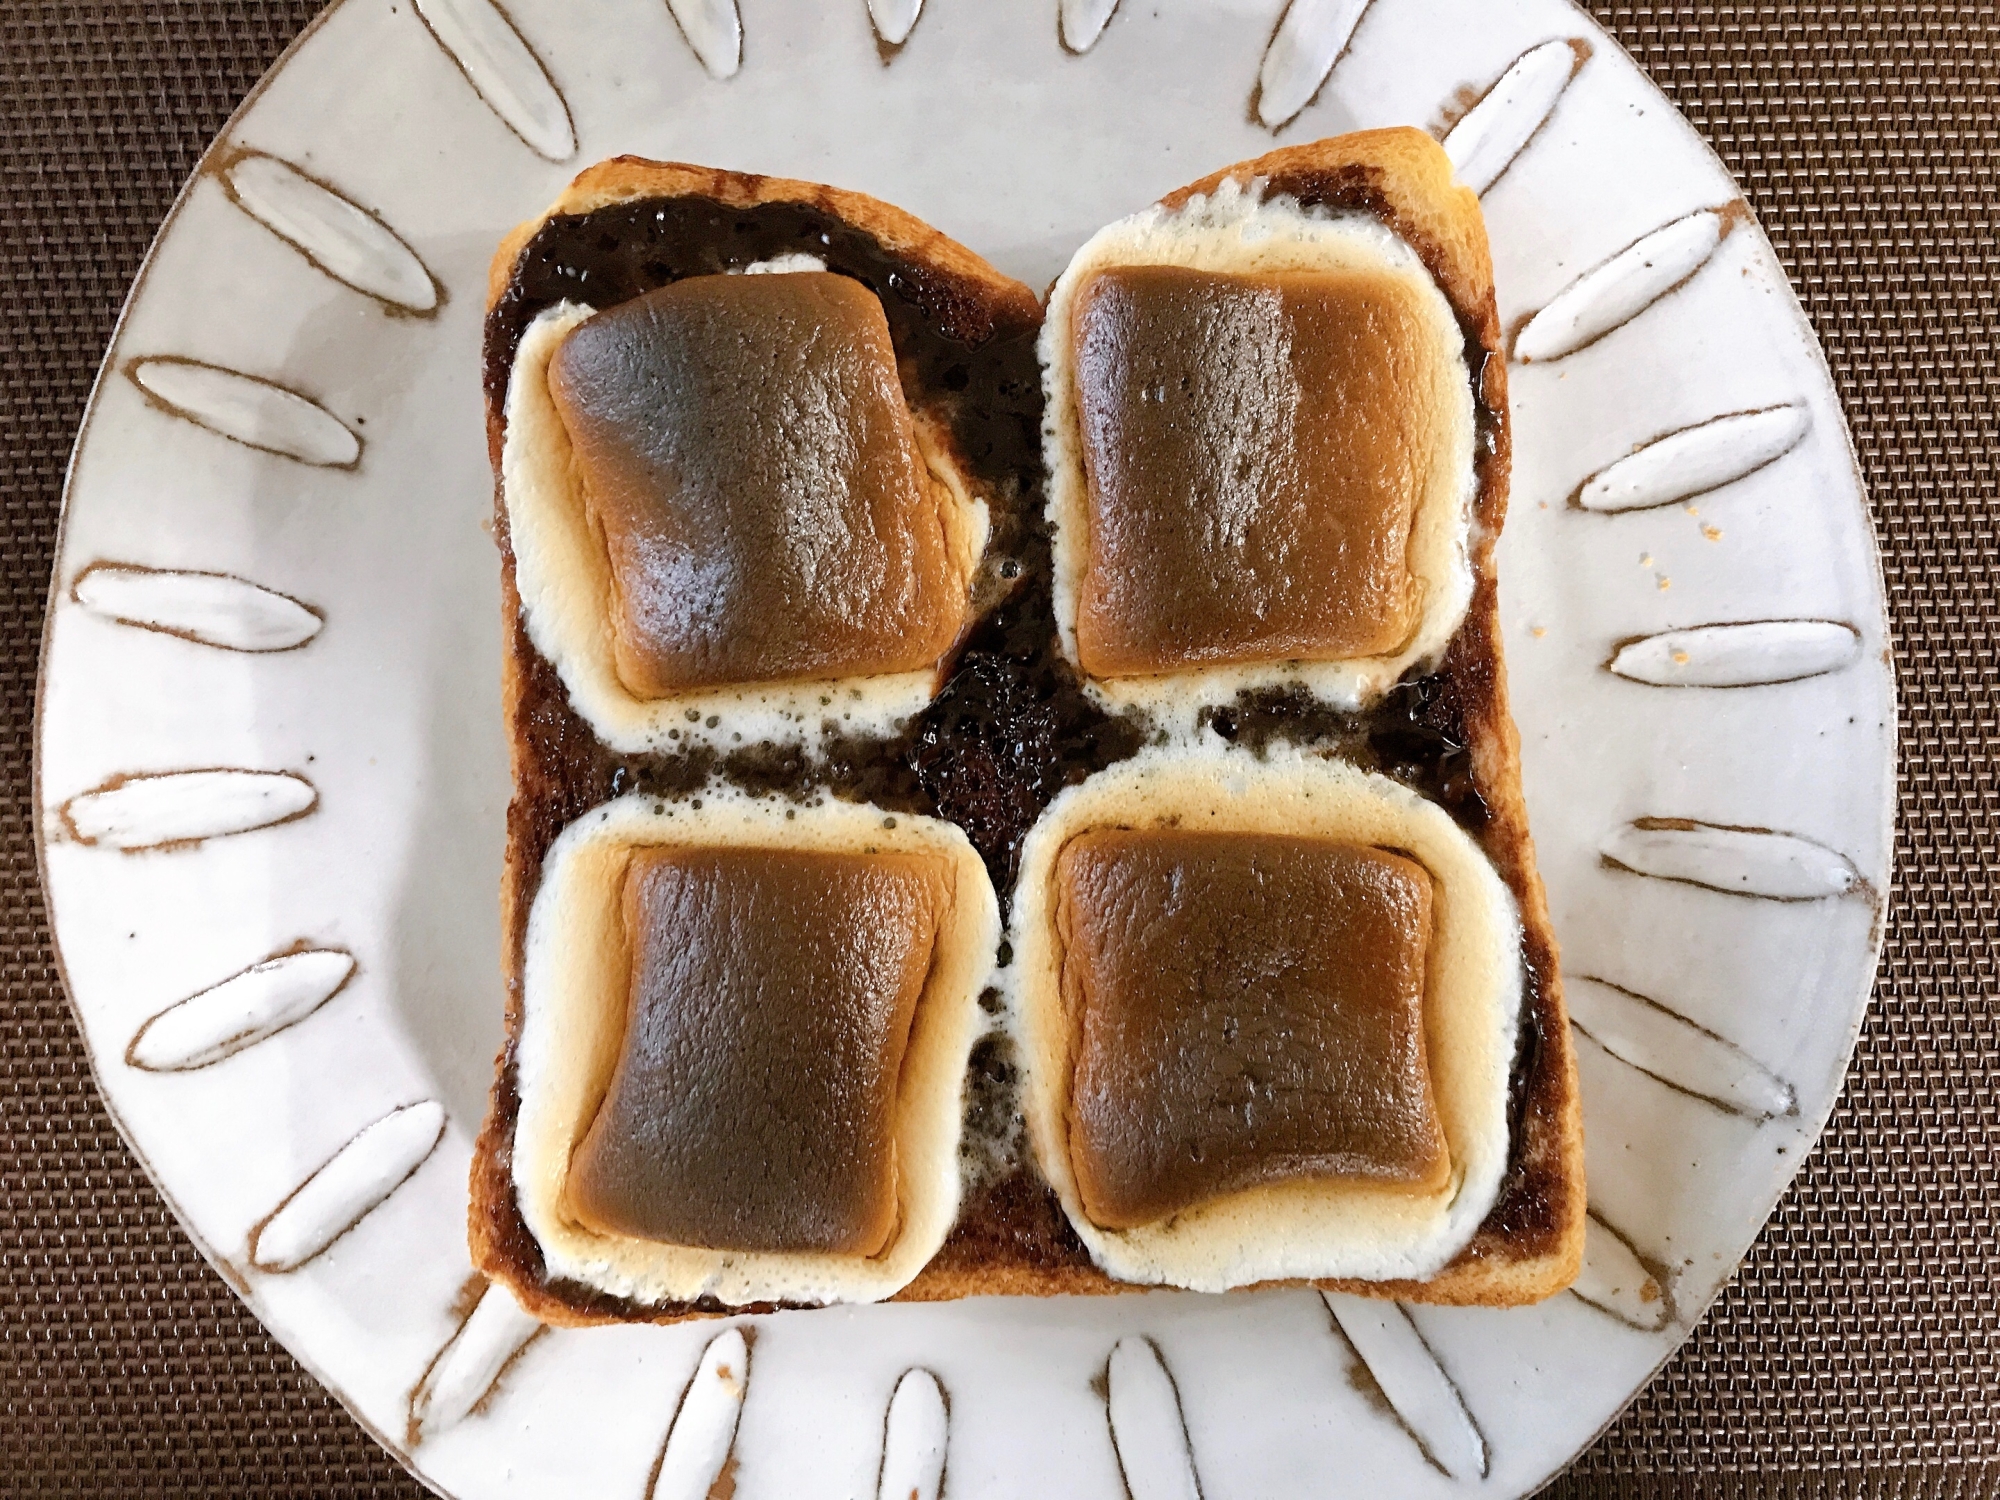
(1855, 1350)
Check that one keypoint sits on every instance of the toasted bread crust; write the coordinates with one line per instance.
(1531, 1244)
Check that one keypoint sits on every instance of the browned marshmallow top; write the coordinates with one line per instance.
(1248, 1009)
(1255, 448)
(744, 449)
(753, 1107)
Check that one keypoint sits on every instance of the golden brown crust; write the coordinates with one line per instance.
(1531, 1245)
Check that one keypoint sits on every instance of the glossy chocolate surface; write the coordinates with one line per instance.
(744, 451)
(1248, 1008)
(754, 1102)
(1256, 447)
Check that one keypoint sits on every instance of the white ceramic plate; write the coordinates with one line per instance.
(272, 772)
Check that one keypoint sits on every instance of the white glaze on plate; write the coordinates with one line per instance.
(257, 413)
(1413, 1382)
(1147, 1427)
(892, 19)
(503, 70)
(468, 1367)
(339, 237)
(704, 1428)
(381, 1158)
(915, 1435)
(1616, 292)
(209, 609)
(1303, 50)
(1750, 653)
(1695, 460)
(1740, 861)
(1083, 22)
(1616, 1281)
(1654, 1039)
(715, 31)
(1484, 143)
(158, 810)
(240, 1011)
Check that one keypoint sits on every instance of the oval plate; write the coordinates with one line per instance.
(272, 772)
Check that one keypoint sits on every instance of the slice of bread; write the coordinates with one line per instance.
(1014, 726)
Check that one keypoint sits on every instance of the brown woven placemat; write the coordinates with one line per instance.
(1854, 1353)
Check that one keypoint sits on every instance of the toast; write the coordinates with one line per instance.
(1013, 723)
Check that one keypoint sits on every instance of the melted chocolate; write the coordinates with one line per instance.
(1011, 727)
(1416, 734)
